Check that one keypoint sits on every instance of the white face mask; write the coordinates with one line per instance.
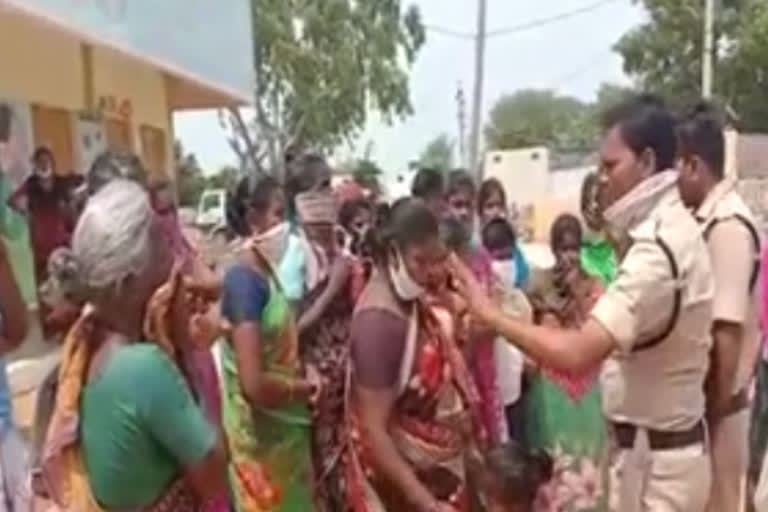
(405, 287)
(273, 242)
(631, 207)
(506, 272)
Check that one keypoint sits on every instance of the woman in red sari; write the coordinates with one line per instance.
(410, 415)
(332, 281)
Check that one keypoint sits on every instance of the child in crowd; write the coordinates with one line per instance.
(513, 476)
(499, 240)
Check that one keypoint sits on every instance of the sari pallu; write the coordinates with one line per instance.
(481, 354)
(63, 469)
(325, 346)
(435, 414)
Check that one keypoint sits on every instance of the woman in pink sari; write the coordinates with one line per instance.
(161, 194)
(200, 362)
(477, 342)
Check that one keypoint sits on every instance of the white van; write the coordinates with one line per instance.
(211, 208)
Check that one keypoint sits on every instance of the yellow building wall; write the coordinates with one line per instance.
(123, 78)
(38, 65)
(48, 69)
(545, 211)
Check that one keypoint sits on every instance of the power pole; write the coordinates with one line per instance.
(477, 99)
(461, 106)
(708, 55)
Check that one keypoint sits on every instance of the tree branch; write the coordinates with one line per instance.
(241, 130)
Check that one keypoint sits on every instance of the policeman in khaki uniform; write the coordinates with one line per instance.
(652, 325)
(734, 246)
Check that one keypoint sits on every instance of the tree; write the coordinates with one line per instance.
(664, 55)
(438, 154)
(226, 178)
(189, 176)
(610, 95)
(533, 117)
(320, 67)
(366, 173)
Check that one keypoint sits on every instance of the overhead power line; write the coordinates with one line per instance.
(449, 32)
(522, 27)
(549, 19)
(576, 73)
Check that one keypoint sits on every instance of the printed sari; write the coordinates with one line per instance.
(269, 447)
(431, 426)
(326, 347)
(564, 418)
(481, 344)
(200, 361)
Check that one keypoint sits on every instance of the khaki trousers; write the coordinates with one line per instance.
(730, 457)
(674, 481)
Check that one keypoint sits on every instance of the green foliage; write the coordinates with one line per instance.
(321, 65)
(226, 178)
(366, 173)
(664, 55)
(534, 117)
(438, 154)
(191, 181)
(610, 95)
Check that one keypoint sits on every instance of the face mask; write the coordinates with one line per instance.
(273, 242)
(634, 205)
(44, 171)
(506, 272)
(405, 287)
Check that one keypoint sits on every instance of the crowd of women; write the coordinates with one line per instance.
(360, 356)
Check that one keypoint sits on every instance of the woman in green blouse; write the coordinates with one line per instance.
(598, 257)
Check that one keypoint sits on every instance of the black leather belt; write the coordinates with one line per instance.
(659, 439)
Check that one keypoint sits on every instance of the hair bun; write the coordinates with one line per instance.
(65, 276)
(236, 206)
(651, 99)
(703, 107)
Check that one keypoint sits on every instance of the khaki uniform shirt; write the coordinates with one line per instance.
(661, 387)
(733, 254)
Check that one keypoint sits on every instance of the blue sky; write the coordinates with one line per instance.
(572, 56)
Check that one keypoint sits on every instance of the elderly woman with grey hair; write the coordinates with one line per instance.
(124, 406)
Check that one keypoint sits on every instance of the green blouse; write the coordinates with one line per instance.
(599, 259)
(140, 427)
